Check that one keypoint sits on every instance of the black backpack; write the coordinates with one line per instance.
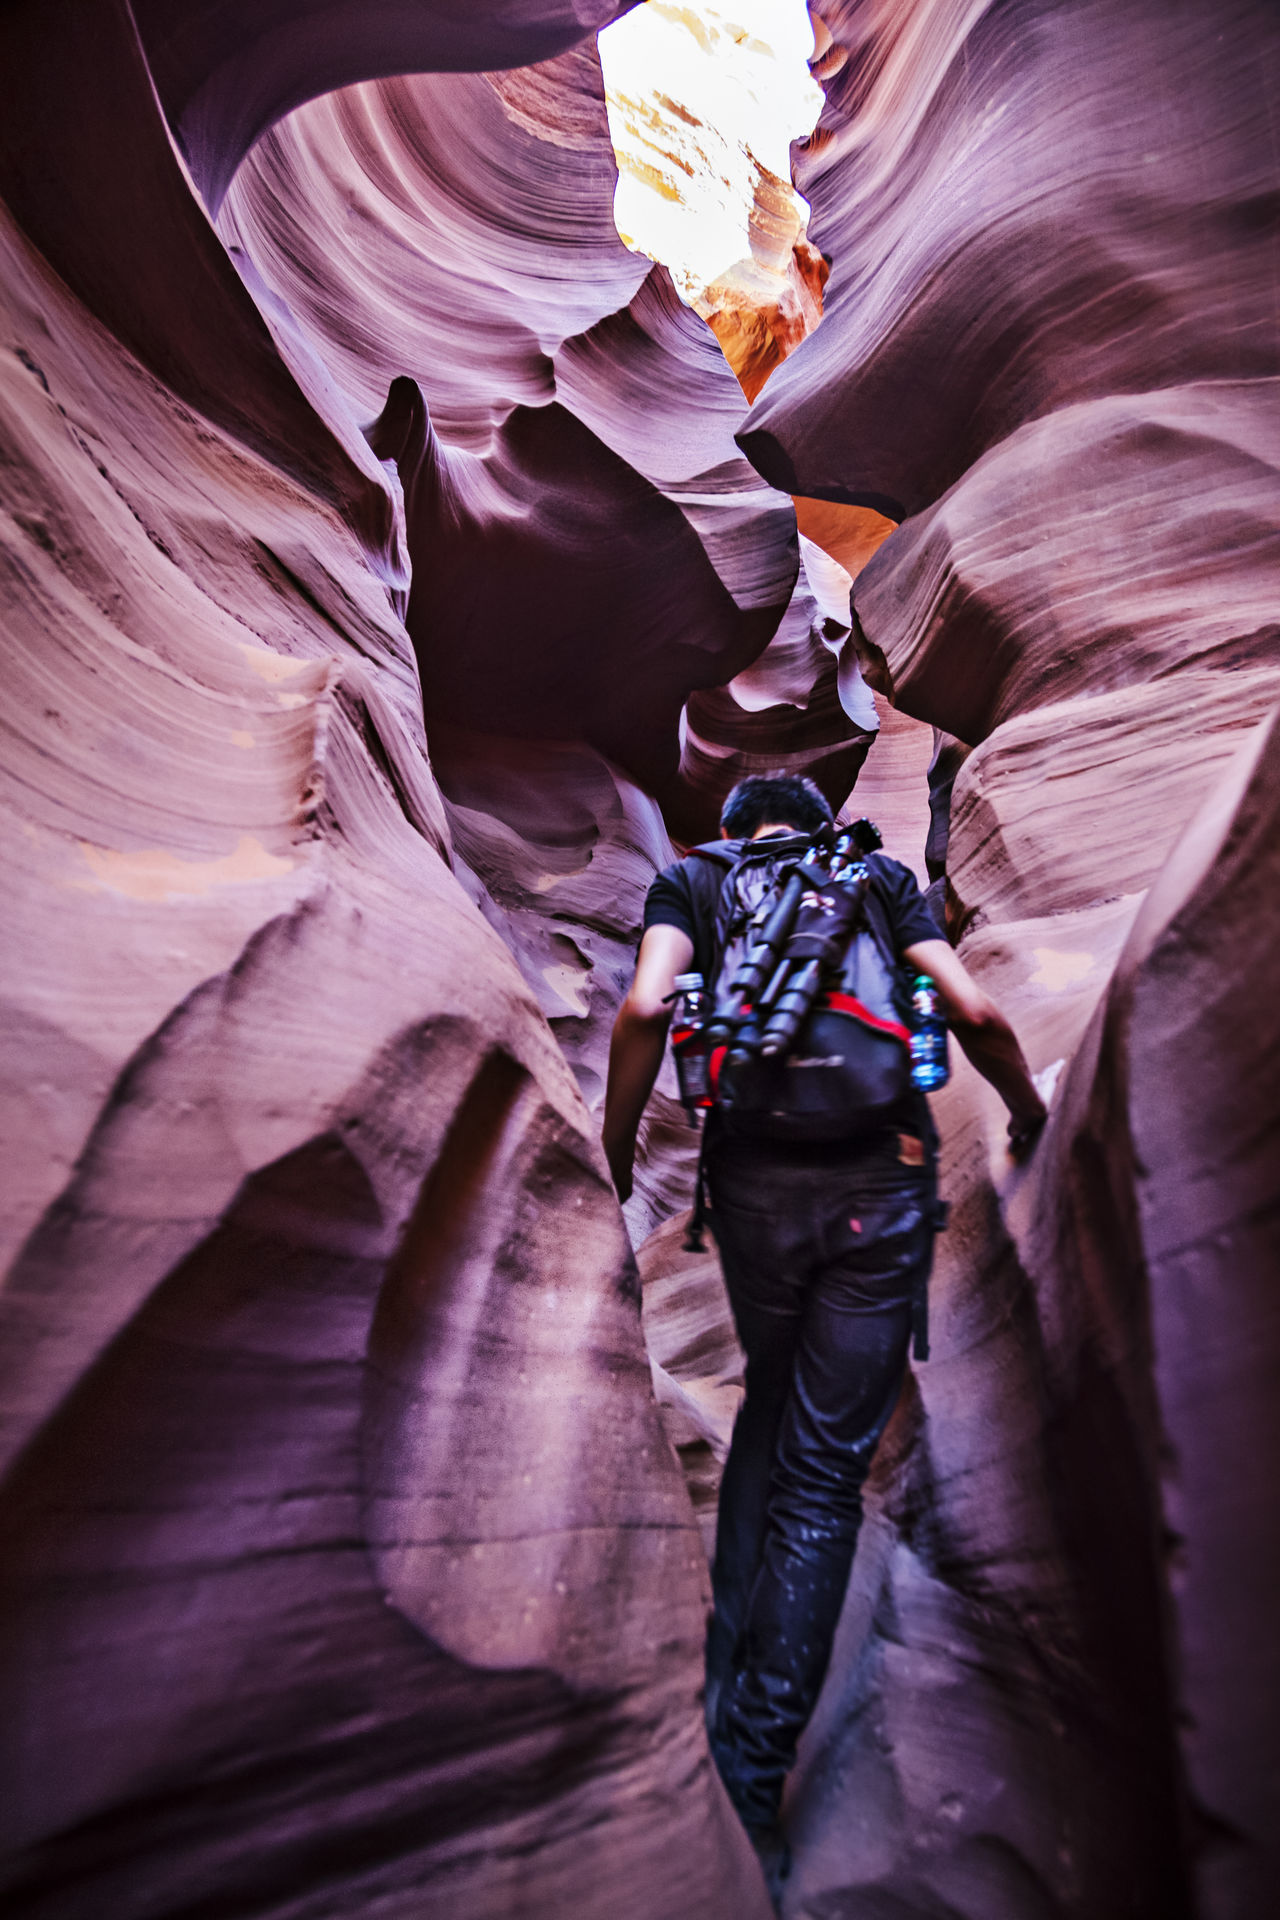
(813, 1047)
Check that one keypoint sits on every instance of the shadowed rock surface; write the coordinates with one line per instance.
(349, 1568)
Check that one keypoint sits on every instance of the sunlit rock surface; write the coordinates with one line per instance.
(704, 100)
(760, 314)
(1050, 342)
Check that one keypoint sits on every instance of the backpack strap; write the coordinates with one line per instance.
(729, 853)
(707, 868)
(876, 921)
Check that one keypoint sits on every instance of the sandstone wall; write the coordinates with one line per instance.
(347, 1567)
(567, 460)
(1050, 343)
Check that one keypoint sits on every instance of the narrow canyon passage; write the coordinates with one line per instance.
(399, 569)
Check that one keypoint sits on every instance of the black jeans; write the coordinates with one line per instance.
(821, 1260)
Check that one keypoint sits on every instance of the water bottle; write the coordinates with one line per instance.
(689, 1042)
(929, 1068)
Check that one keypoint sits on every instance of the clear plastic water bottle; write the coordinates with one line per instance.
(929, 1066)
(689, 1042)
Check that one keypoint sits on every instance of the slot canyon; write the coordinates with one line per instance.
(397, 574)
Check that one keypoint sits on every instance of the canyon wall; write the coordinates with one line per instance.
(592, 556)
(389, 568)
(1050, 347)
(347, 1567)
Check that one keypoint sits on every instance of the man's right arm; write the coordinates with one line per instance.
(985, 1035)
(635, 1051)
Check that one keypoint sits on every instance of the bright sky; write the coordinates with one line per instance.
(739, 68)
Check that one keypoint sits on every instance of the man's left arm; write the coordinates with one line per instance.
(635, 1051)
(985, 1035)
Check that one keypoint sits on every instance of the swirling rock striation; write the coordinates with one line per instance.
(347, 1564)
(227, 72)
(1018, 223)
(1049, 341)
(1034, 600)
(574, 462)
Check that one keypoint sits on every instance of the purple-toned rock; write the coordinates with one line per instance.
(225, 73)
(347, 1562)
(1049, 341)
(1026, 207)
(573, 467)
(1012, 592)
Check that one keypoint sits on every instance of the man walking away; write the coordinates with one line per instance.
(825, 1247)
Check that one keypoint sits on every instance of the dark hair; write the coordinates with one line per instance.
(779, 799)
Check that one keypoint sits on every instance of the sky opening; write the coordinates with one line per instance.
(704, 100)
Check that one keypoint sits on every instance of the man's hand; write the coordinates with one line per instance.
(1023, 1134)
(621, 1156)
(635, 1051)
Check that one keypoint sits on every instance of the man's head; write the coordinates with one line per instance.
(773, 800)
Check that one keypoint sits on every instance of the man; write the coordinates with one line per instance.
(824, 1249)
